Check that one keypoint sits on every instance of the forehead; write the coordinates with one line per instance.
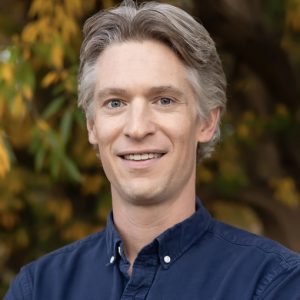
(140, 64)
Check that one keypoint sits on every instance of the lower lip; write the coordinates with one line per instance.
(140, 164)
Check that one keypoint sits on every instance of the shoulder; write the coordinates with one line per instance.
(58, 265)
(276, 269)
(242, 239)
(79, 249)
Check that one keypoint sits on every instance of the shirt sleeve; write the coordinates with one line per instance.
(19, 288)
(286, 285)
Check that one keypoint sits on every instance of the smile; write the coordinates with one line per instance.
(142, 156)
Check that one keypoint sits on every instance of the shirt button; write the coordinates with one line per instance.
(167, 259)
(112, 259)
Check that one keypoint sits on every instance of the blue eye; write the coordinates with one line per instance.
(165, 101)
(115, 103)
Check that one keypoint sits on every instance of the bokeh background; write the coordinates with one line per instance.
(52, 188)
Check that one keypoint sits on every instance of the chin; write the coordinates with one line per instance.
(144, 198)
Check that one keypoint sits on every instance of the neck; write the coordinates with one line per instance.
(139, 225)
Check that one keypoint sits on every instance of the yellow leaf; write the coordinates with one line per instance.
(248, 116)
(20, 133)
(69, 29)
(238, 215)
(108, 3)
(89, 158)
(18, 108)
(205, 175)
(2, 206)
(293, 15)
(30, 33)
(66, 23)
(8, 220)
(57, 56)
(281, 109)
(39, 30)
(231, 170)
(64, 75)
(15, 183)
(103, 211)
(7, 73)
(4, 159)
(243, 131)
(42, 125)
(2, 108)
(77, 231)
(73, 7)
(22, 238)
(50, 78)
(41, 7)
(36, 6)
(46, 29)
(26, 54)
(285, 191)
(27, 92)
(61, 209)
(92, 184)
(69, 86)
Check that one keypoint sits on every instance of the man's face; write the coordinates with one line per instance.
(145, 122)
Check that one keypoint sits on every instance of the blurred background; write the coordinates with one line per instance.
(52, 188)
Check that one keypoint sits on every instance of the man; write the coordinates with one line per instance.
(153, 90)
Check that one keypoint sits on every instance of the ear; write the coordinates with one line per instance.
(90, 124)
(207, 127)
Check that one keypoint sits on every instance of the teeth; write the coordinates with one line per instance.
(142, 156)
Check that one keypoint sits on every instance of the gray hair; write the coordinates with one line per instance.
(173, 27)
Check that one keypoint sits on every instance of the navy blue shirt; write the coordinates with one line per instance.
(199, 258)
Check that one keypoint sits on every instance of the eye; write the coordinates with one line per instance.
(114, 103)
(165, 101)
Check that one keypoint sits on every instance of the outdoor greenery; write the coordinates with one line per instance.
(52, 188)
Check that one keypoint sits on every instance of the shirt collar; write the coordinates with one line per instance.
(173, 242)
(113, 239)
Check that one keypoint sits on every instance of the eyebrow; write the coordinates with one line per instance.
(163, 89)
(111, 91)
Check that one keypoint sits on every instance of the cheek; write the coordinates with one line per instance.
(183, 129)
(104, 130)
(107, 134)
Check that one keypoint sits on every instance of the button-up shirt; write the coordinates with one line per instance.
(199, 258)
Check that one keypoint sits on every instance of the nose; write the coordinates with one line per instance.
(139, 123)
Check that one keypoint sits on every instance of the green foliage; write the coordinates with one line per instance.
(43, 141)
(275, 11)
